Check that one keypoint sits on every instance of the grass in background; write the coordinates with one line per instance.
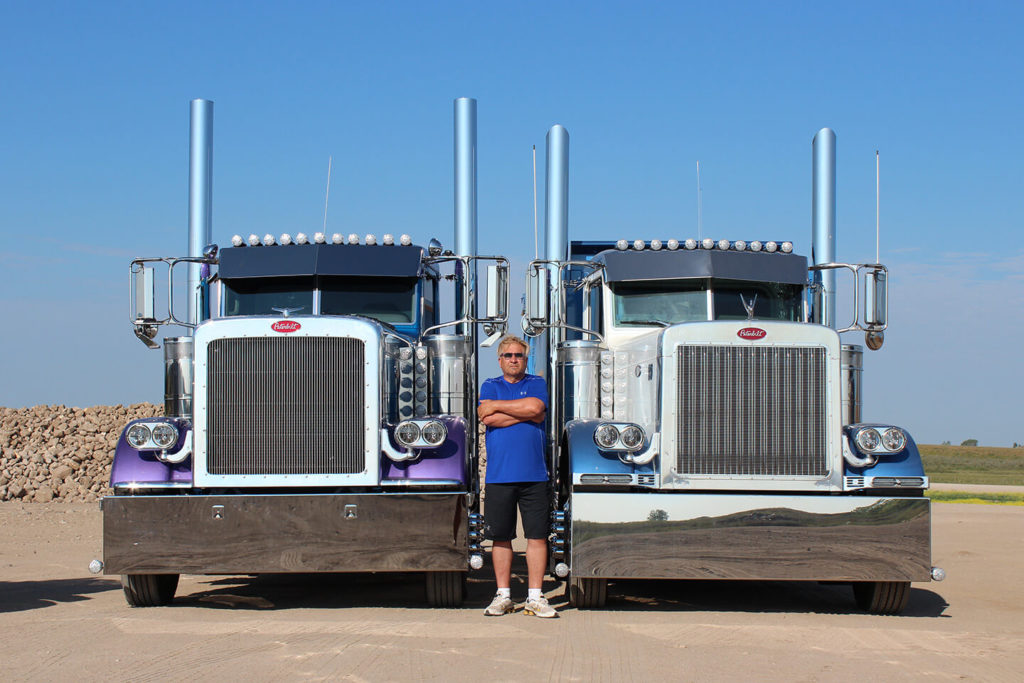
(985, 498)
(973, 464)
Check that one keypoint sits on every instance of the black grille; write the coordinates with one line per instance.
(285, 405)
(751, 410)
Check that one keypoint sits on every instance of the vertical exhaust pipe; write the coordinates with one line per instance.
(200, 195)
(556, 204)
(465, 198)
(823, 218)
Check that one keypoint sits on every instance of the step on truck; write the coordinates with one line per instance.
(320, 414)
(706, 419)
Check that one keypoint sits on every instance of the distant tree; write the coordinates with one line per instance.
(1016, 445)
(945, 443)
(969, 442)
(657, 516)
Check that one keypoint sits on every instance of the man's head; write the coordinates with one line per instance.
(512, 352)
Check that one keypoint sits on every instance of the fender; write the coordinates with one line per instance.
(906, 463)
(586, 458)
(446, 462)
(132, 467)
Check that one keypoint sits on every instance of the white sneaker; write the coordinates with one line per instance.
(540, 608)
(499, 605)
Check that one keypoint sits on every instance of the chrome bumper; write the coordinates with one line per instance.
(255, 534)
(710, 536)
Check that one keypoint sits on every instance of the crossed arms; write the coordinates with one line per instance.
(495, 413)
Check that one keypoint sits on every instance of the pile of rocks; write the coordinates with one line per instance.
(61, 453)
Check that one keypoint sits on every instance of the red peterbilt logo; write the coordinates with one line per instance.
(285, 326)
(751, 333)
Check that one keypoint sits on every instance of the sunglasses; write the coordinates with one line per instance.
(506, 356)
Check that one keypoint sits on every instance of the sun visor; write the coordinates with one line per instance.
(320, 259)
(624, 266)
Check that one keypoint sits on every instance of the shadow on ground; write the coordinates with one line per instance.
(18, 596)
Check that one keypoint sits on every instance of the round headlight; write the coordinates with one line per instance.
(407, 433)
(868, 440)
(894, 439)
(165, 435)
(434, 433)
(606, 436)
(138, 435)
(632, 437)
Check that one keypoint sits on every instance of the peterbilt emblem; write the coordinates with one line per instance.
(285, 326)
(751, 333)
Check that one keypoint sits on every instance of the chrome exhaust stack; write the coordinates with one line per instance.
(465, 200)
(823, 219)
(200, 196)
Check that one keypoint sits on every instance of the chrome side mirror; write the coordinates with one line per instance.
(537, 294)
(876, 299)
(144, 294)
(497, 292)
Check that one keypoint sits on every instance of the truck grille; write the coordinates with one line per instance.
(751, 410)
(285, 405)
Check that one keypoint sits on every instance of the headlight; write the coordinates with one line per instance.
(138, 436)
(165, 435)
(606, 436)
(434, 433)
(893, 439)
(407, 433)
(868, 440)
(632, 437)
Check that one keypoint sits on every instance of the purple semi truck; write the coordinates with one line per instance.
(316, 418)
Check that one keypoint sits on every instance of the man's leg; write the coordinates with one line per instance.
(501, 558)
(500, 529)
(536, 561)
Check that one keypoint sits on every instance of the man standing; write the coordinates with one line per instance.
(513, 407)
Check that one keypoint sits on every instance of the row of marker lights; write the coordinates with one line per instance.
(319, 238)
(708, 243)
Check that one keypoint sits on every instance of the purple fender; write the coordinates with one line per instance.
(447, 461)
(142, 467)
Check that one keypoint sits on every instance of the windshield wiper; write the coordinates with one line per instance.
(644, 322)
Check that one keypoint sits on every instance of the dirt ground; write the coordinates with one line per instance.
(58, 622)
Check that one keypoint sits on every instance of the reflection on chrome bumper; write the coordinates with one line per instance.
(709, 536)
(254, 534)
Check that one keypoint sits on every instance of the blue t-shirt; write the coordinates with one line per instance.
(515, 453)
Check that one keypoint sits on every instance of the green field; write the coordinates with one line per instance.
(983, 498)
(973, 465)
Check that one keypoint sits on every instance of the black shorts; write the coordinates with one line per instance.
(500, 510)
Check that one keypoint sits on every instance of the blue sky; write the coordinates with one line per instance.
(94, 150)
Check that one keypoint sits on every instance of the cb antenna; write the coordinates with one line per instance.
(536, 246)
(700, 200)
(878, 258)
(327, 195)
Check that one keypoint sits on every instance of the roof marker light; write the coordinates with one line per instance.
(755, 245)
(319, 237)
(673, 244)
(301, 238)
(388, 239)
(739, 245)
(254, 241)
(639, 245)
(622, 245)
(787, 247)
(655, 245)
(371, 240)
(286, 239)
(723, 245)
(237, 241)
(406, 240)
(268, 240)
(708, 243)
(337, 238)
(353, 238)
(690, 243)
(770, 247)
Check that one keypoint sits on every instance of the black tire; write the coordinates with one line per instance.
(445, 589)
(588, 593)
(149, 590)
(882, 597)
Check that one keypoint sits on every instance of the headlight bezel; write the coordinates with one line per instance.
(421, 425)
(618, 444)
(880, 439)
(143, 436)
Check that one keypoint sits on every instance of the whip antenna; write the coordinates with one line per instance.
(878, 258)
(700, 199)
(327, 195)
(536, 247)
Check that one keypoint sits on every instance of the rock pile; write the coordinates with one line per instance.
(61, 453)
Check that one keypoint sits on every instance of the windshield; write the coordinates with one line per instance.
(660, 303)
(269, 296)
(390, 300)
(769, 300)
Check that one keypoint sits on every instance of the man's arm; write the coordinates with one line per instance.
(527, 409)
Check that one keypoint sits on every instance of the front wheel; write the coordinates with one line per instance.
(882, 597)
(588, 593)
(445, 589)
(149, 590)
